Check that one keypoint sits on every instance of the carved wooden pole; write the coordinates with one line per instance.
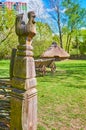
(24, 93)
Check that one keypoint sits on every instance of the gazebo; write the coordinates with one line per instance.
(54, 51)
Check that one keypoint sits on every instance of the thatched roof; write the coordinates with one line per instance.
(55, 51)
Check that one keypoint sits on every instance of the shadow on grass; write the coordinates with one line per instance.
(75, 78)
(69, 78)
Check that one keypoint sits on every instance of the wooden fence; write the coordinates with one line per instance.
(5, 90)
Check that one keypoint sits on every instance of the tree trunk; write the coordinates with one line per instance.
(59, 27)
(68, 47)
(77, 43)
(67, 42)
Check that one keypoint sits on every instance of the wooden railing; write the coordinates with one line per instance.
(5, 89)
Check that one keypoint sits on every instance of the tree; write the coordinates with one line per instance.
(43, 38)
(82, 42)
(56, 15)
(7, 19)
(7, 32)
(75, 16)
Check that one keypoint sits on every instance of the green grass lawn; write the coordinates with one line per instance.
(61, 96)
(4, 68)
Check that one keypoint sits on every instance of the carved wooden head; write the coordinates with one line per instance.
(19, 17)
(25, 30)
(31, 16)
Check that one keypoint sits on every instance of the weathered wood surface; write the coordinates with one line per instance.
(14, 50)
(42, 65)
(5, 82)
(5, 90)
(24, 93)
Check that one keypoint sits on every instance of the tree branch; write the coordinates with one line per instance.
(7, 35)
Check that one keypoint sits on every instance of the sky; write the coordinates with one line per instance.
(41, 4)
(45, 2)
(43, 10)
(83, 2)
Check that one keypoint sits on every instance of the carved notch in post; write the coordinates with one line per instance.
(24, 93)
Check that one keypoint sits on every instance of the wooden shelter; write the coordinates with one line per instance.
(54, 51)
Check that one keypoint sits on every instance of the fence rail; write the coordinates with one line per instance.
(5, 89)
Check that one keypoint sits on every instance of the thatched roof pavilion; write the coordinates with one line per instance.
(54, 51)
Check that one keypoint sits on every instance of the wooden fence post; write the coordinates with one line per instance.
(24, 93)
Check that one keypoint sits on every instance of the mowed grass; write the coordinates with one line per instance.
(4, 68)
(61, 96)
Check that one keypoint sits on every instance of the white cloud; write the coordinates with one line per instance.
(50, 9)
(16, 0)
(83, 28)
(38, 7)
(63, 11)
(55, 9)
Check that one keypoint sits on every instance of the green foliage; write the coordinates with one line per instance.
(40, 47)
(7, 45)
(8, 39)
(65, 30)
(76, 17)
(82, 46)
(43, 31)
(56, 38)
(43, 39)
(80, 41)
(7, 18)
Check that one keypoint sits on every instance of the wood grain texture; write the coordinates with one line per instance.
(24, 93)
